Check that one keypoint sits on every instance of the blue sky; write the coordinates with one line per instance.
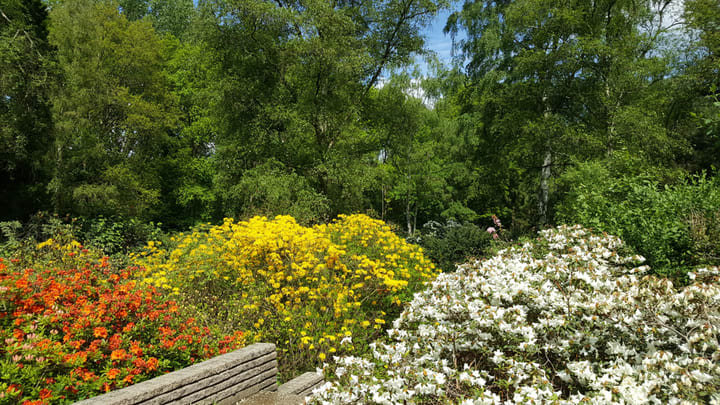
(437, 40)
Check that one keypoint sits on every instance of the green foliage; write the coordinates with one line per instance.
(181, 111)
(112, 112)
(116, 235)
(270, 190)
(25, 122)
(411, 172)
(452, 243)
(293, 87)
(20, 239)
(552, 83)
(112, 236)
(674, 226)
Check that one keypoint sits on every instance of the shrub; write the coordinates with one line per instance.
(452, 243)
(675, 227)
(561, 320)
(306, 289)
(74, 327)
(271, 189)
(115, 236)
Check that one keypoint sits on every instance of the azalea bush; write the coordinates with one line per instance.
(568, 318)
(74, 327)
(314, 291)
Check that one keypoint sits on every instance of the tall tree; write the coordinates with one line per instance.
(168, 16)
(112, 111)
(697, 103)
(25, 120)
(294, 79)
(557, 82)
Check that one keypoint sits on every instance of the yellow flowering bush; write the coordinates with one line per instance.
(314, 291)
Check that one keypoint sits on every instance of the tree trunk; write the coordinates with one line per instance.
(610, 135)
(543, 198)
(544, 188)
(408, 216)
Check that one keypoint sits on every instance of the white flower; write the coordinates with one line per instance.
(527, 321)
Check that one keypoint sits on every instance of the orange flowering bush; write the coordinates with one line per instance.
(76, 327)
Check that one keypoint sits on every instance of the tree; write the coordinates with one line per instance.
(553, 83)
(294, 76)
(167, 16)
(697, 107)
(112, 111)
(25, 120)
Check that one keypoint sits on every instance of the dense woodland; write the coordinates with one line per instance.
(178, 111)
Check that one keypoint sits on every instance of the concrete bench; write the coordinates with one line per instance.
(292, 392)
(225, 379)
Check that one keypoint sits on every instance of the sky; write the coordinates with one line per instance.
(437, 40)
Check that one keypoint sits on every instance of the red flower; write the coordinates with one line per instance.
(115, 341)
(18, 334)
(135, 349)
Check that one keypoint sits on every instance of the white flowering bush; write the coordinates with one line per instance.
(565, 319)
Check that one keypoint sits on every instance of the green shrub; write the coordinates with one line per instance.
(118, 235)
(674, 226)
(452, 243)
(271, 189)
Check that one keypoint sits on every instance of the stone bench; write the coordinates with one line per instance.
(225, 379)
(292, 392)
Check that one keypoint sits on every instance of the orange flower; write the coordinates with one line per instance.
(100, 332)
(118, 354)
(136, 350)
(139, 363)
(45, 393)
(115, 341)
(152, 363)
(112, 373)
(128, 379)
